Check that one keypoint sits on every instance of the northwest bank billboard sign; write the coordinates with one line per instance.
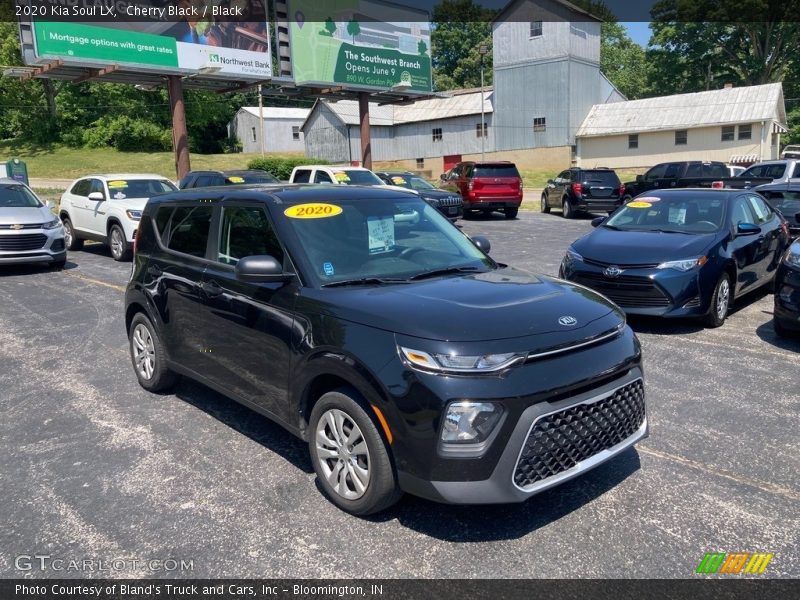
(359, 43)
(170, 36)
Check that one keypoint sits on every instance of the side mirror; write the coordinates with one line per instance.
(550, 181)
(260, 269)
(747, 229)
(48, 204)
(443, 176)
(482, 244)
(639, 178)
(597, 221)
(98, 196)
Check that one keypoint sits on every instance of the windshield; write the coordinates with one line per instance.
(775, 171)
(354, 177)
(413, 182)
(17, 196)
(240, 178)
(120, 189)
(394, 239)
(679, 213)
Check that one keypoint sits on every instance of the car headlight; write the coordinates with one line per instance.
(134, 215)
(573, 256)
(452, 363)
(470, 422)
(51, 224)
(684, 265)
(792, 256)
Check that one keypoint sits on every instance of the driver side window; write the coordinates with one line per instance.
(656, 172)
(97, 186)
(322, 177)
(740, 212)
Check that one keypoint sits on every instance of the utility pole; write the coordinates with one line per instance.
(261, 120)
(180, 139)
(483, 50)
(363, 113)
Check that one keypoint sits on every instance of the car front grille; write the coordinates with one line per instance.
(18, 227)
(450, 201)
(25, 241)
(626, 291)
(561, 440)
(600, 263)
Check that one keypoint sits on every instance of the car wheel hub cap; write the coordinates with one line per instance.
(343, 454)
(144, 352)
(116, 242)
(722, 300)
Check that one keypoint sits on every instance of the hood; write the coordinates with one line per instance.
(501, 304)
(129, 203)
(25, 215)
(437, 194)
(641, 247)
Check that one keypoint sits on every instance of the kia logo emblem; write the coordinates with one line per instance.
(568, 321)
(612, 271)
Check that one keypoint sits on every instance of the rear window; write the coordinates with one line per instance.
(495, 171)
(184, 228)
(600, 177)
(775, 171)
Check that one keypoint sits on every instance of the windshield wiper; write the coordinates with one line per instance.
(364, 281)
(673, 231)
(444, 271)
(614, 227)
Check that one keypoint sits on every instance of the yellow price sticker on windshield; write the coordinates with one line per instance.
(398, 180)
(236, 179)
(313, 210)
(117, 184)
(341, 176)
(639, 204)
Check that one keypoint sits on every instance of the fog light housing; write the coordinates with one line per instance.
(468, 422)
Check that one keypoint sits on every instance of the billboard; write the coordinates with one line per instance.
(145, 35)
(359, 43)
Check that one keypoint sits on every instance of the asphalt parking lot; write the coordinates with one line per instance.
(93, 467)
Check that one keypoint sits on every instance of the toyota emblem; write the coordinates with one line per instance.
(612, 271)
(567, 321)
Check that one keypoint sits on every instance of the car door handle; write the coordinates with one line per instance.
(211, 289)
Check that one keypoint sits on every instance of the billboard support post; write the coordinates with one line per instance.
(180, 138)
(363, 115)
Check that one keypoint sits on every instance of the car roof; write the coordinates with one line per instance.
(694, 192)
(285, 193)
(125, 176)
(397, 173)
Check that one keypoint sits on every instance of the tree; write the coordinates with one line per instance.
(330, 27)
(459, 28)
(422, 48)
(623, 61)
(353, 28)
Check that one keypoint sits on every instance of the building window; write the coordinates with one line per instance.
(727, 133)
(420, 163)
(745, 132)
(295, 133)
(539, 124)
(536, 29)
(253, 130)
(633, 141)
(481, 132)
(437, 134)
(681, 137)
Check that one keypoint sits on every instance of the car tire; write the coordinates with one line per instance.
(337, 414)
(71, 240)
(566, 209)
(59, 263)
(545, 205)
(782, 331)
(148, 356)
(118, 245)
(511, 213)
(720, 302)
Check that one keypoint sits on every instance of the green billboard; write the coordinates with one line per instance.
(348, 42)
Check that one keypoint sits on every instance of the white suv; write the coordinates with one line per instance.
(335, 175)
(107, 208)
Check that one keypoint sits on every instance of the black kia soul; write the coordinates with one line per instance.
(365, 323)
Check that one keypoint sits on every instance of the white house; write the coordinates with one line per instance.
(734, 125)
(280, 128)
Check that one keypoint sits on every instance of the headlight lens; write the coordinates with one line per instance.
(470, 422)
(573, 256)
(684, 265)
(793, 256)
(134, 215)
(51, 224)
(485, 363)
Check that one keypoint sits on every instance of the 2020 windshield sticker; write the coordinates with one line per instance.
(312, 210)
(639, 204)
(381, 234)
(117, 184)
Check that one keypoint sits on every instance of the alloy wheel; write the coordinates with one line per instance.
(117, 243)
(343, 454)
(144, 352)
(68, 234)
(723, 298)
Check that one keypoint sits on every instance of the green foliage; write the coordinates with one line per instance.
(623, 61)
(353, 28)
(330, 28)
(459, 29)
(422, 48)
(281, 167)
(126, 134)
(793, 119)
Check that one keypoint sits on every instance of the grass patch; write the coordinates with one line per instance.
(536, 179)
(62, 162)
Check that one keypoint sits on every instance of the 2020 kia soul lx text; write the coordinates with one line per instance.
(368, 325)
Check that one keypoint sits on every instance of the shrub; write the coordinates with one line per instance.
(128, 135)
(281, 167)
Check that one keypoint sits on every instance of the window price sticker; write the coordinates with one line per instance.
(381, 234)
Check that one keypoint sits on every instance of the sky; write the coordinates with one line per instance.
(639, 32)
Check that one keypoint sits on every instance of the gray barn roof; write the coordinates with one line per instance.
(685, 111)
(460, 103)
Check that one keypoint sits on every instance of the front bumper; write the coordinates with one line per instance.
(787, 297)
(648, 291)
(32, 245)
(503, 486)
